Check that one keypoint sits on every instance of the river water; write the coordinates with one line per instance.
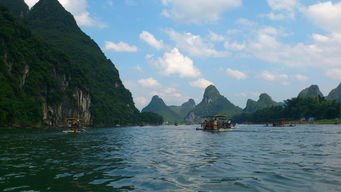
(169, 158)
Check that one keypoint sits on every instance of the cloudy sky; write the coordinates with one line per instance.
(175, 48)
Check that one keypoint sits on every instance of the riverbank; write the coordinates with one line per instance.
(322, 122)
(318, 122)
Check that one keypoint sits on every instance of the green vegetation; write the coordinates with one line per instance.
(28, 73)
(293, 110)
(184, 109)
(264, 101)
(327, 121)
(151, 118)
(171, 114)
(112, 102)
(335, 94)
(212, 103)
(311, 92)
(44, 59)
(16, 7)
(158, 106)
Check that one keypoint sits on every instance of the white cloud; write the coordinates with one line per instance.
(247, 94)
(236, 74)
(326, 15)
(168, 94)
(245, 22)
(119, 47)
(175, 63)
(79, 11)
(320, 38)
(194, 45)
(264, 43)
(197, 11)
(149, 82)
(273, 76)
(323, 53)
(234, 46)
(334, 73)
(216, 37)
(151, 40)
(268, 76)
(282, 9)
(84, 19)
(201, 83)
(141, 101)
(31, 3)
(301, 77)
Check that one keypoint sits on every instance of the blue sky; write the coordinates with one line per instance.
(176, 48)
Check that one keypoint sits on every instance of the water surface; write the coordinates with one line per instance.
(169, 158)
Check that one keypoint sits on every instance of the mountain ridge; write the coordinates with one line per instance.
(52, 70)
(264, 101)
(158, 106)
(112, 102)
(311, 91)
(335, 94)
(212, 103)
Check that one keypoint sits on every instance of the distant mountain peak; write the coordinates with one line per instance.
(312, 91)
(190, 102)
(335, 94)
(211, 92)
(264, 96)
(49, 5)
(158, 106)
(52, 14)
(17, 7)
(212, 103)
(156, 97)
(157, 100)
(264, 101)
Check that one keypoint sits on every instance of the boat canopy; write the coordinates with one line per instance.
(215, 116)
(71, 119)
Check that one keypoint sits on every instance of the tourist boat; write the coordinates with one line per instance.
(73, 125)
(217, 123)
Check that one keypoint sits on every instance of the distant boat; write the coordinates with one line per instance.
(218, 123)
(73, 125)
(282, 124)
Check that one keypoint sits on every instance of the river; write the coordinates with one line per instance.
(172, 158)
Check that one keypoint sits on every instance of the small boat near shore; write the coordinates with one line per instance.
(74, 126)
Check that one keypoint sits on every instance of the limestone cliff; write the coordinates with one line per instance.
(264, 101)
(212, 103)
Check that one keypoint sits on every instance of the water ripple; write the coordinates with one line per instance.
(251, 158)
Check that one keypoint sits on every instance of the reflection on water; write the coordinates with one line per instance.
(252, 158)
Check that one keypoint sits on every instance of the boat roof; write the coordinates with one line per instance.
(219, 115)
(71, 119)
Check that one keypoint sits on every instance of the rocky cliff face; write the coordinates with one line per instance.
(77, 106)
(310, 92)
(111, 103)
(335, 94)
(212, 103)
(264, 101)
(38, 88)
(51, 70)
